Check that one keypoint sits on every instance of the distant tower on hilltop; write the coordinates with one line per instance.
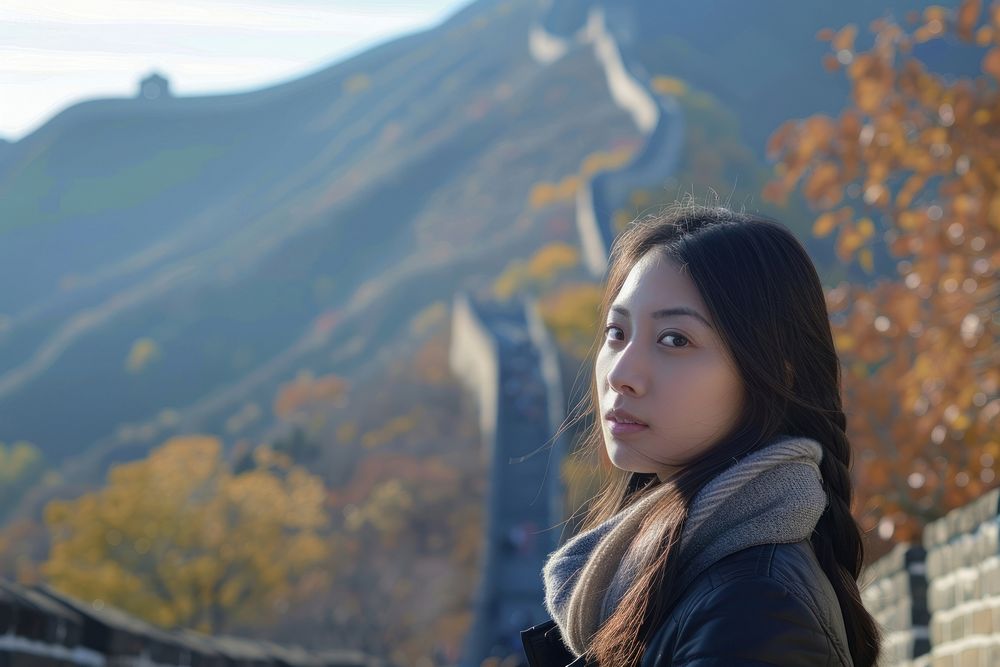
(154, 86)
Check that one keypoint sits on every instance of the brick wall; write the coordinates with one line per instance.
(939, 602)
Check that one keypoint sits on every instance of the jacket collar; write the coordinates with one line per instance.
(544, 647)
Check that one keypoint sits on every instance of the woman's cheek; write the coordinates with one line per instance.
(706, 401)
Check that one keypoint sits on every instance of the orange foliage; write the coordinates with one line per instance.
(915, 156)
(545, 194)
(306, 390)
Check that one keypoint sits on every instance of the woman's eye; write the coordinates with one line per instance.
(678, 339)
(609, 328)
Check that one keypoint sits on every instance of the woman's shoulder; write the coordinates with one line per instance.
(770, 603)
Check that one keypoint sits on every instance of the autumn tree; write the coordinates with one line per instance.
(912, 164)
(570, 313)
(179, 540)
(399, 452)
(537, 273)
(420, 507)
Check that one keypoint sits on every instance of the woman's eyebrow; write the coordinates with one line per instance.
(668, 312)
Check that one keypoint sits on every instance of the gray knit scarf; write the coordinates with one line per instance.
(772, 495)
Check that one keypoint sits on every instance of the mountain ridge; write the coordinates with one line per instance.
(458, 160)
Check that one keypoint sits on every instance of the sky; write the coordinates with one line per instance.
(54, 53)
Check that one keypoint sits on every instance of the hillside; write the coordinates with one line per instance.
(175, 260)
(229, 231)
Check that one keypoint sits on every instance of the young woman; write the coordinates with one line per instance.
(724, 535)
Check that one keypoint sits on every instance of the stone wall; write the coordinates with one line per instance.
(939, 602)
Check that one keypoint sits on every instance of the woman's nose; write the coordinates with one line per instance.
(627, 374)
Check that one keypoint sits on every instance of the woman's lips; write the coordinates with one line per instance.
(624, 428)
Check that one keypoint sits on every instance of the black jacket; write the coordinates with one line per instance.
(765, 605)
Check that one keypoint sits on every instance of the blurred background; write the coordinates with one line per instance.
(297, 294)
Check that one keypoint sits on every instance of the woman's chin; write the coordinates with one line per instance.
(625, 458)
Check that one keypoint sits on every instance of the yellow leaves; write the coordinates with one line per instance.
(185, 460)
(824, 225)
(816, 134)
(930, 30)
(668, 85)
(606, 160)
(552, 260)
(866, 260)
(544, 266)
(869, 94)
(571, 313)
(265, 457)
(876, 194)
(935, 13)
(357, 84)
(961, 422)
(830, 220)
(542, 194)
(910, 188)
(514, 276)
(844, 342)
(866, 228)
(387, 510)
(17, 460)
(910, 220)
(143, 352)
(567, 188)
(852, 237)
(168, 530)
(965, 204)
(428, 319)
(850, 127)
(994, 212)
(546, 194)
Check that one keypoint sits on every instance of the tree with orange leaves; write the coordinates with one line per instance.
(913, 162)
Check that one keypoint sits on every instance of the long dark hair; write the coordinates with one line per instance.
(764, 295)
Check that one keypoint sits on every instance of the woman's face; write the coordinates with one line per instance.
(662, 362)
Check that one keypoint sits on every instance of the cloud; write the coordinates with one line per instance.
(54, 53)
(256, 16)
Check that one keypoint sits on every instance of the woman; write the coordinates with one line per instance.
(724, 535)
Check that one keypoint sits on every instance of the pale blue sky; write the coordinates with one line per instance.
(57, 52)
